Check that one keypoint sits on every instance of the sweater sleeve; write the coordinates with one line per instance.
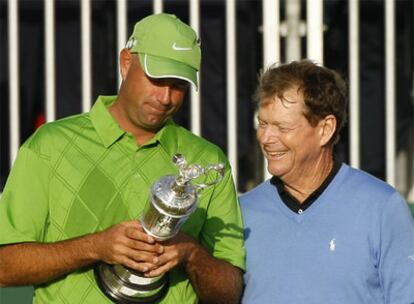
(396, 259)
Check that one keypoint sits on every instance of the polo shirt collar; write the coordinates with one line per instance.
(167, 137)
(104, 123)
(109, 131)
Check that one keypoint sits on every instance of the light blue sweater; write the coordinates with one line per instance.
(354, 244)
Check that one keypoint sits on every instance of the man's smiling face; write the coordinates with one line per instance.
(288, 141)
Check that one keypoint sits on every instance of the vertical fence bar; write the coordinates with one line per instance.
(50, 59)
(158, 6)
(271, 43)
(195, 95)
(390, 90)
(14, 97)
(231, 85)
(314, 20)
(121, 23)
(353, 29)
(293, 36)
(86, 55)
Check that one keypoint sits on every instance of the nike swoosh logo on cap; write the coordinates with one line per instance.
(180, 48)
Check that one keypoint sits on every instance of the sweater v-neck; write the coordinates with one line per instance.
(290, 206)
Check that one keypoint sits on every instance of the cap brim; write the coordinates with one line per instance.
(160, 67)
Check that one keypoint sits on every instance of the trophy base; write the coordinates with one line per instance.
(122, 289)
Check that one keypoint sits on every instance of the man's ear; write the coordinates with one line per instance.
(327, 129)
(125, 62)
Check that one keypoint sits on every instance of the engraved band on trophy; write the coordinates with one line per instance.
(172, 200)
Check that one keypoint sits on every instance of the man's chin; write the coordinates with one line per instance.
(154, 125)
(277, 171)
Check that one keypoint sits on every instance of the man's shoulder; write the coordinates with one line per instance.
(188, 137)
(54, 133)
(363, 191)
(363, 182)
(193, 144)
(255, 194)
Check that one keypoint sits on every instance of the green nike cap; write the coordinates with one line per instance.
(166, 47)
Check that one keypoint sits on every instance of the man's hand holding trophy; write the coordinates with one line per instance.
(172, 200)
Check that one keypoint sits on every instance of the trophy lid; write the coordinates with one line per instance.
(177, 195)
(173, 198)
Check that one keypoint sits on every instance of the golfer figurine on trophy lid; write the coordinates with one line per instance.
(172, 200)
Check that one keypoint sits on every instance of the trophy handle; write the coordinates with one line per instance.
(190, 172)
(219, 168)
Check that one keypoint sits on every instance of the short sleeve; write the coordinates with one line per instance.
(396, 259)
(223, 229)
(24, 203)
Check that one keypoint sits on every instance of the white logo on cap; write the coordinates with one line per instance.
(180, 48)
(131, 43)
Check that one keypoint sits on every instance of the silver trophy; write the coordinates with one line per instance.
(173, 199)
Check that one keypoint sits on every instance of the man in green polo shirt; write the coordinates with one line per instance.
(79, 185)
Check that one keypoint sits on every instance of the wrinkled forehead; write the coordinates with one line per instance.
(288, 97)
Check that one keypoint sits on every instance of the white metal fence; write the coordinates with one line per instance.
(292, 28)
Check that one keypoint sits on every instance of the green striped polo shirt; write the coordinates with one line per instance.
(82, 174)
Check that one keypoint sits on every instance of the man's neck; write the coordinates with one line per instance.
(311, 179)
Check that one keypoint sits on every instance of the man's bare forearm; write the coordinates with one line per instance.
(36, 263)
(215, 281)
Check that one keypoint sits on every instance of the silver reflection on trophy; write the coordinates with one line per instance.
(173, 199)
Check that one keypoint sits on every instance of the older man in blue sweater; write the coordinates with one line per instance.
(320, 231)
